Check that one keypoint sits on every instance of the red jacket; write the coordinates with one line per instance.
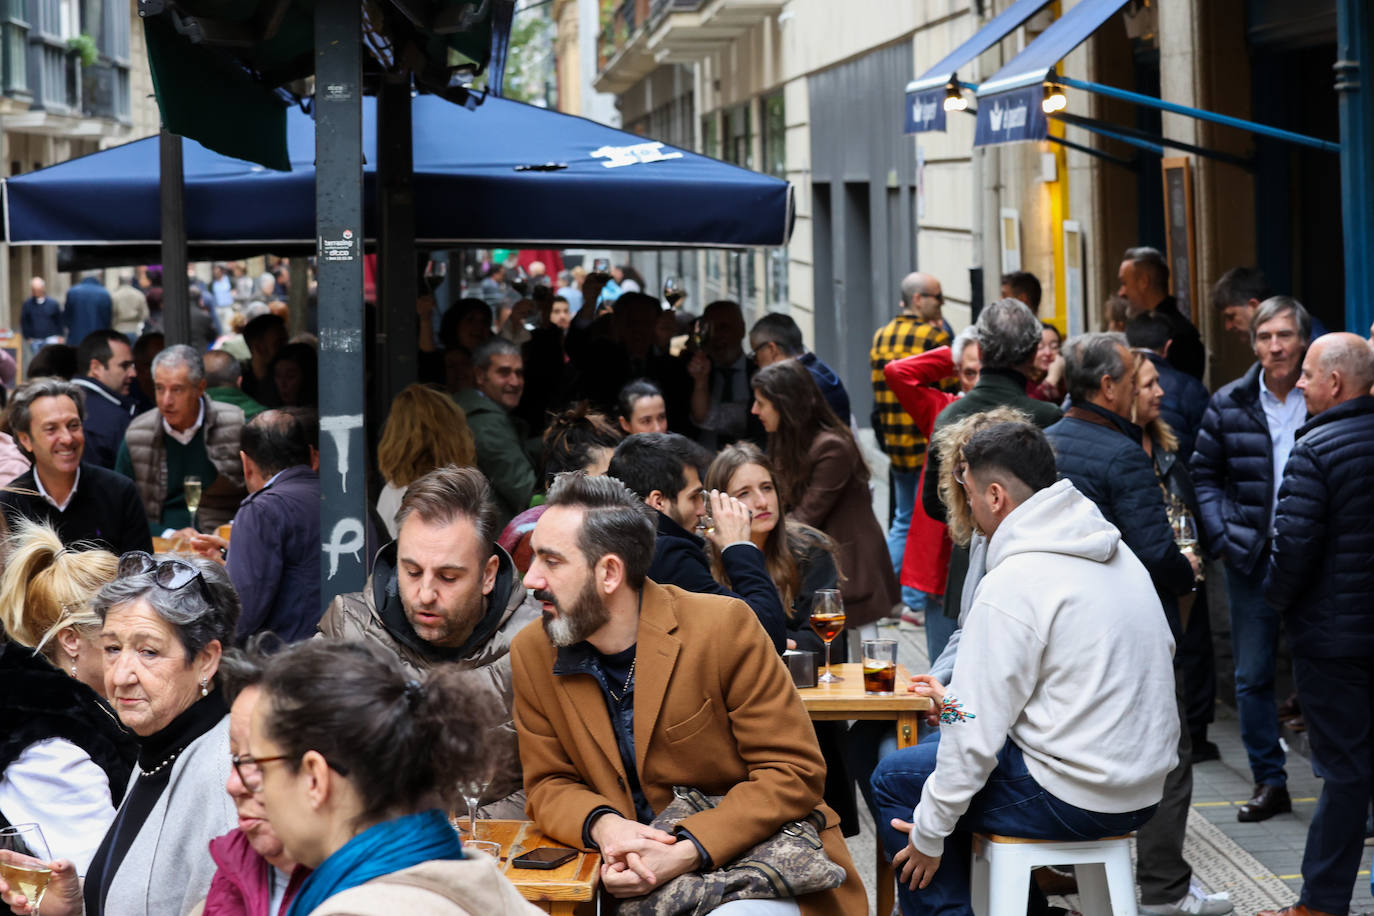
(240, 886)
(925, 564)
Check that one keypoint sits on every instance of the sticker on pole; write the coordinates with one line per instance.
(337, 92)
(338, 246)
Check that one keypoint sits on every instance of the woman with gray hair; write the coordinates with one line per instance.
(164, 623)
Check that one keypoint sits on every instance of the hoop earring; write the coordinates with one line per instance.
(204, 687)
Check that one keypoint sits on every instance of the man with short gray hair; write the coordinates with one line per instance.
(1321, 581)
(1008, 335)
(1242, 446)
(1144, 276)
(505, 452)
(189, 436)
(82, 502)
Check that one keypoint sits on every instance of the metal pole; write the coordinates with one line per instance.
(1354, 76)
(339, 245)
(1263, 130)
(176, 315)
(396, 320)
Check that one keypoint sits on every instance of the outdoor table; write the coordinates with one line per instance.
(557, 891)
(847, 700)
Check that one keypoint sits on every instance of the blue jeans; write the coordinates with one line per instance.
(1010, 803)
(1254, 647)
(903, 502)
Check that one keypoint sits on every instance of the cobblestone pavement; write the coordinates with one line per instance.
(1258, 865)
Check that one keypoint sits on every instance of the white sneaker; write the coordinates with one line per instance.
(1192, 904)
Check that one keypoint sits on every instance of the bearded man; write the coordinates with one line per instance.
(444, 592)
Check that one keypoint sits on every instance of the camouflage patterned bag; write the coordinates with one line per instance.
(790, 863)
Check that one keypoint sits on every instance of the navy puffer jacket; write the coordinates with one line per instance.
(1101, 453)
(1233, 471)
(1320, 574)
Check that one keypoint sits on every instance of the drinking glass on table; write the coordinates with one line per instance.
(24, 859)
(880, 666)
(473, 784)
(190, 488)
(827, 619)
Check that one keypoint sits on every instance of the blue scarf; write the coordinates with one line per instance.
(388, 847)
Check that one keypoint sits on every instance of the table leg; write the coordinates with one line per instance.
(906, 728)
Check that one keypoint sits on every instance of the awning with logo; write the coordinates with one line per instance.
(925, 95)
(1009, 103)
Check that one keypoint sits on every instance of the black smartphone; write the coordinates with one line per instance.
(544, 858)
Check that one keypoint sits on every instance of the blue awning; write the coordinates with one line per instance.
(504, 173)
(925, 95)
(1009, 102)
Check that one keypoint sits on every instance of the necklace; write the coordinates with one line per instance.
(161, 766)
(624, 690)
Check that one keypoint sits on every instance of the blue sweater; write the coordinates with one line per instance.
(274, 557)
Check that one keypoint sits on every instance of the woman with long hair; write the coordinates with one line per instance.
(823, 481)
(424, 430)
(800, 561)
(64, 758)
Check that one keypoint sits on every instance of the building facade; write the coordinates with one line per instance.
(813, 90)
(75, 80)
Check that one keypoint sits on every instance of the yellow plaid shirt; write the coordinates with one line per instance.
(905, 335)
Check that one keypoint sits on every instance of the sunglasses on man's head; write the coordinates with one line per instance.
(172, 575)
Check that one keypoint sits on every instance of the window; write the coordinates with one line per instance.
(738, 136)
(774, 135)
(710, 136)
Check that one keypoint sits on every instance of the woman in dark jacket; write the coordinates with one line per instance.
(1194, 654)
(64, 758)
(823, 482)
(800, 560)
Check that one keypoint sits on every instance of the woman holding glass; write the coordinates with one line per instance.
(163, 624)
(1194, 655)
(823, 482)
(64, 758)
(348, 756)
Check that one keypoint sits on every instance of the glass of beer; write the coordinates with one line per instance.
(880, 666)
(190, 488)
(24, 859)
(827, 619)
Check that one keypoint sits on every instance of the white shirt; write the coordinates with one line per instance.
(59, 506)
(56, 785)
(1283, 418)
(190, 433)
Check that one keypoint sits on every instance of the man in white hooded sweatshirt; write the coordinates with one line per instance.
(1059, 722)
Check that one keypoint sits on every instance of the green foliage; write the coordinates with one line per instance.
(83, 45)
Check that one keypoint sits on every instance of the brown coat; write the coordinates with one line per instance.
(837, 502)
(714, 709)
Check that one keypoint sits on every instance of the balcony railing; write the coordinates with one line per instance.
(38, 66)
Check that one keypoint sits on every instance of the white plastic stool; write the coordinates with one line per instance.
(1001, 873)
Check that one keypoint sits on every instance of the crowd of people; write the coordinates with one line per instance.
(587, 478)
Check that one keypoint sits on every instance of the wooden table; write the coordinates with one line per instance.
(557, 891)
(846, 700)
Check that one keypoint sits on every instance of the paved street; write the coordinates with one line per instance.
(1257, 864)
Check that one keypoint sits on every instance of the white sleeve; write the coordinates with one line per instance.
(994, 675)
(56, 785)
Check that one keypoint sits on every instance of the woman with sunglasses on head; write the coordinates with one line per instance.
(164, 622)
(349, 757)
(823, 481)
(64, 758)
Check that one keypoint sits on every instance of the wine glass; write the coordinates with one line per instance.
(1185, 533)
(827, 619)
(473, 784)
(435, 274)
(24, 859)
(190, 487)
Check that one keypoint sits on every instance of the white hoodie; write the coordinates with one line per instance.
(1067, 651)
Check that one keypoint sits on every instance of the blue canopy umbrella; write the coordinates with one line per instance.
(502, 173)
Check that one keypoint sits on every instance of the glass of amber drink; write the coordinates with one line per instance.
(880, 666)
(827, 619)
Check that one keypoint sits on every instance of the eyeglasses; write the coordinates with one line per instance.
(249, 769)
(938, 297)
(172, 575)
(754, 353)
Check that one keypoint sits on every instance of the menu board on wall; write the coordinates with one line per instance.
(1178, 224)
